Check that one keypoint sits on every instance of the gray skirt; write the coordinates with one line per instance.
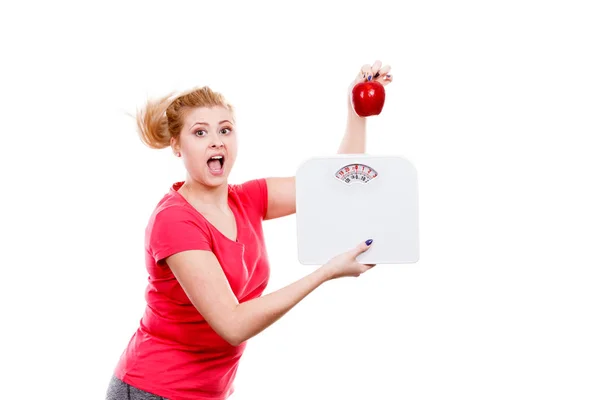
(119, 390)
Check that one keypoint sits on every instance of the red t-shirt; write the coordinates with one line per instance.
(175, 353)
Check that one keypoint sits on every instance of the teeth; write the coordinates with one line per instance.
(216, 157)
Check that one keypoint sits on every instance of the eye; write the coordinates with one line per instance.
(225, 131)
(200, 132)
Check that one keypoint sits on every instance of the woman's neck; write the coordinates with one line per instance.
(195, 193)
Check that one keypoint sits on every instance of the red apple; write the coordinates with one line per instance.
(368, 98)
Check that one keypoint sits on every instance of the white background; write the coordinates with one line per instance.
(496, 104)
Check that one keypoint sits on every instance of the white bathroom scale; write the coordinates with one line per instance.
(345, 199)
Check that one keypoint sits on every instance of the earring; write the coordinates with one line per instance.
(178, 154)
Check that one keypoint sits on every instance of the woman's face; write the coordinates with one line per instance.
(208, 144)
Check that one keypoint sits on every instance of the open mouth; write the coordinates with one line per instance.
(215, 163)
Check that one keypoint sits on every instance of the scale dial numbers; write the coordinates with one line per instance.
(355, 173)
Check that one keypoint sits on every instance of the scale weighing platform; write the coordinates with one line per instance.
(349, 198)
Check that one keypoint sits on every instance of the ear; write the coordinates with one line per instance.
(175, 147)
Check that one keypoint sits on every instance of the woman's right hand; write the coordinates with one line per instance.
(345, 264)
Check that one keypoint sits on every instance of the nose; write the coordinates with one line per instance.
(216, 142)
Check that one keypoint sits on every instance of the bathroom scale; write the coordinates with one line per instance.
(345, 199)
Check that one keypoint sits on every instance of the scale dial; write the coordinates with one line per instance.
(355, 173)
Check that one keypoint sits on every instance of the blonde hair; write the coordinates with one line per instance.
(162, 119)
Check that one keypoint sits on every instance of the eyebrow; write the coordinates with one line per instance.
(206, 123)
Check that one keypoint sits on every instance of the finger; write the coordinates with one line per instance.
(382, 72)
(365, 267)
(386, 79)
(360, 77)
(366, 73)
(375, 68)
(363, 73)
(361, 248)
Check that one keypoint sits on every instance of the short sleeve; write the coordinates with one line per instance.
(174, 230)
(255, 193)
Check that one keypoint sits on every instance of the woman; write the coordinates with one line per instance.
(206, 257)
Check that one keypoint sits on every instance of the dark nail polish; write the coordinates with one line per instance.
(368, 242)
(376, 75)
(369, 77)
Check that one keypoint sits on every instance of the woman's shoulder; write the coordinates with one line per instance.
(175, 226)
(173, 206)
(250, 187)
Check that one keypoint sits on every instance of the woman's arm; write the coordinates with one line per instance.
(282, 191)
(354, 139)
(204, 282)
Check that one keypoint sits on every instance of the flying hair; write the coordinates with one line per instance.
(162, 119)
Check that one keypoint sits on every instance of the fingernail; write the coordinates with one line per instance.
(369, 77)
(368, 242)
(388, 75)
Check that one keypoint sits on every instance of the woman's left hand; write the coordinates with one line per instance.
(368, 73)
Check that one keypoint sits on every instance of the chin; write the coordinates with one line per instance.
(216, 178)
